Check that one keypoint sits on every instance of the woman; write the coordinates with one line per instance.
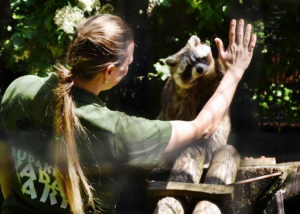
(77, 166)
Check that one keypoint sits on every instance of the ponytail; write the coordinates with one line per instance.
(67, 129)
(98, 42)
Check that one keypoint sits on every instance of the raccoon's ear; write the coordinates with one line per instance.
(171, 61)
(194, 41)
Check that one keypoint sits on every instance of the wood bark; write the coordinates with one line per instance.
(222, 170)
(260, 196)
(207, 191)
(188, 169)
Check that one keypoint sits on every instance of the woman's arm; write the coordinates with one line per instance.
(235, 59)
(6, 169)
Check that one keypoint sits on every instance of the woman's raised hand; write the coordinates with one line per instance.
(239, 53)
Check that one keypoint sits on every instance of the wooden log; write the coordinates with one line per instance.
(188, 166)
(206, 207)
(291, 189)
(279, 202)
(222, 170)
(169, 205)
(204, 191)
(258, 161)
(255, 196)
(187, 169)
(260, 195)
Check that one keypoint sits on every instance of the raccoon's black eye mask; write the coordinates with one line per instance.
(201, 60)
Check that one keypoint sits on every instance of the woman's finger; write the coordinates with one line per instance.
(252, 43)
(247, 36)
(232, 32)
(220, 47)
(240, 32)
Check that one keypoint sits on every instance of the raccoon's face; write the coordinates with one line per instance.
(191, 62)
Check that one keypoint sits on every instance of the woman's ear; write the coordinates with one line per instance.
(108, 71)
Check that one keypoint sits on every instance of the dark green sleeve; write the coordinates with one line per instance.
(141, 142)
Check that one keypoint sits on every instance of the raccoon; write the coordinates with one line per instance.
(195, 75)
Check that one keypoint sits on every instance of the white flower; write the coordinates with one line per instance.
(68, 18)
(89, 5)
(152, 4)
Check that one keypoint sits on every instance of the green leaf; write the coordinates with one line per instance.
(18, 42)
(28, 33)
(201, 24)
(278, 102)
(17, 17)
(221, 4)
(14, 3)
(264, 105)
(208, 13)
(190, 10)
(48, 22)
(29, 2)
(16, 34)
(218, 19)
(270, 98)
(165, 3)
(197, 2)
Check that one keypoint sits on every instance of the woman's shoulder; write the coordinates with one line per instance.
(28, 93)
(25, 86)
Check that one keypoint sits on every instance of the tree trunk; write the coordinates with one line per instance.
(187, 169)
(222, 170)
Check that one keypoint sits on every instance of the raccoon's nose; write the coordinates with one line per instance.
(199, 69)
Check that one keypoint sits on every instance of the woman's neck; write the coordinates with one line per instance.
(93, 85)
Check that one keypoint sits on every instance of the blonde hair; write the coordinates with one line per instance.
(98, 42)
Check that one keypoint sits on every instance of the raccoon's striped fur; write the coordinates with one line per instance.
(195, 75)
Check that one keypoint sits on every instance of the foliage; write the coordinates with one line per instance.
(277, 95)
(42, 30)
(193, 17)
(162, 69)
(274, 81)
(277, 104)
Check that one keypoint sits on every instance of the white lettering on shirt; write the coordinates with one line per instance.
(51, 189)
(28, 186)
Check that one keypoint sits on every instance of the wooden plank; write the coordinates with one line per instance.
(207, 191)
(275, 205)
(258, 161)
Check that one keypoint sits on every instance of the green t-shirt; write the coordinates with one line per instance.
(115, 140)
